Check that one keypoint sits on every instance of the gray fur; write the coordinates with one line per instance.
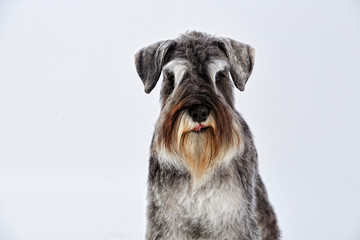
(149, 63)
(241, 58)
(229, 202)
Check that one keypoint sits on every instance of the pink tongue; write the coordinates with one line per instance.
(198, 128)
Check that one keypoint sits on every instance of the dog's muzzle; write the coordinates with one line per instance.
(199, 112)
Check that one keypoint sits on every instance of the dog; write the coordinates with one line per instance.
(203, 178)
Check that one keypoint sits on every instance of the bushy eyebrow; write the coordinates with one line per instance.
(178, 67)
(215, 66)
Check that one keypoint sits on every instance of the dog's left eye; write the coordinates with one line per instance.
(220, 75)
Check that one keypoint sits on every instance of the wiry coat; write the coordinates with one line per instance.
(203, 176)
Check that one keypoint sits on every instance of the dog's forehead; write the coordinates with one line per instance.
(199, 48)
(197, 53)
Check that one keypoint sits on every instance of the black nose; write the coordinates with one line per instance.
(199, 112)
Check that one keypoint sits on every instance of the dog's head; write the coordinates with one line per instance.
(198, 125)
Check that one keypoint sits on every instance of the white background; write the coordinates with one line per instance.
(75, 123)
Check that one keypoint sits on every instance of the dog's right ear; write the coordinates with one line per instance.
(150, 60)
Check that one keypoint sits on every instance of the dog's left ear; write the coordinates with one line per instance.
(241, 57)
(149, 62)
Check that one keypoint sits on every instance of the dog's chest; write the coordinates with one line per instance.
(200, 210)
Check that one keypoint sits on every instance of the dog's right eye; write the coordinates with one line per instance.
(169, 76)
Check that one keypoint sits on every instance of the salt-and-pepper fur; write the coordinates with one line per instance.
(203, 184)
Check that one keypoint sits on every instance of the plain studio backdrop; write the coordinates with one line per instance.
(76, 125)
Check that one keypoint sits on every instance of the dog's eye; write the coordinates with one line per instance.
(169, 76)
(220, 75)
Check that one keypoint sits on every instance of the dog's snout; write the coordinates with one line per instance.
(199, 112)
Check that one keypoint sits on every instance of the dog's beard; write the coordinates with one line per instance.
(200, 150)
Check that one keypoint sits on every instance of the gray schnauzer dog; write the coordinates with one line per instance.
(203, 173)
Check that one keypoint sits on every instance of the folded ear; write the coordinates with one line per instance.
(241, 57)
(149, 62)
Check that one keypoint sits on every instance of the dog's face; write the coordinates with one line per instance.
(198, 126)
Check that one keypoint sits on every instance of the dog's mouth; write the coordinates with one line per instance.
(200, 128)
